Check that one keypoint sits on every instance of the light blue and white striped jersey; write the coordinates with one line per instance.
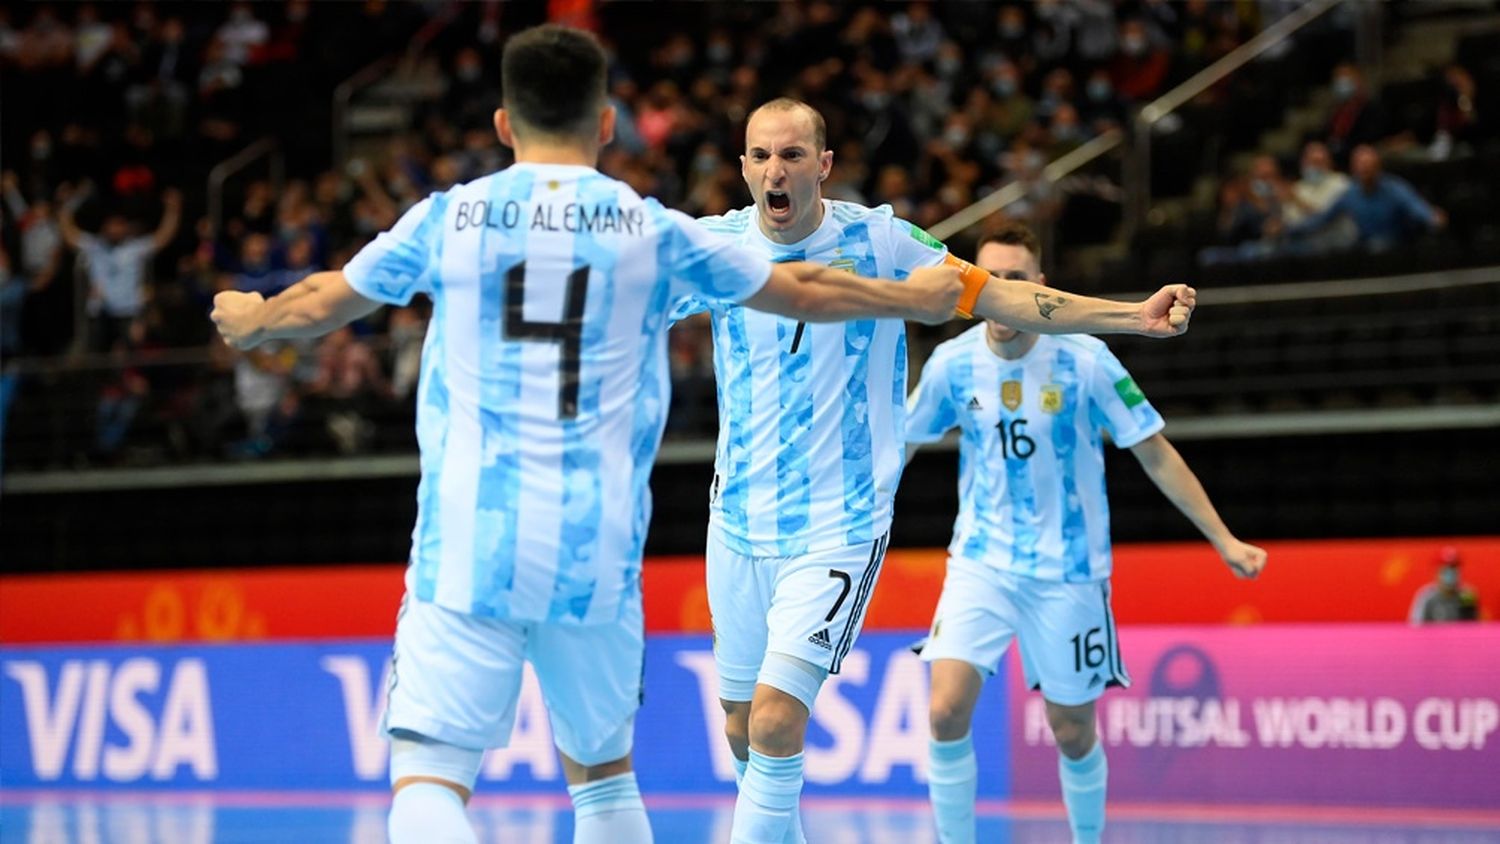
(811, 415)
(1032, 499)
(544, 384)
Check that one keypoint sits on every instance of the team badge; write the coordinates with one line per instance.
(1010, 394)
(845, 264)
(1052, 398)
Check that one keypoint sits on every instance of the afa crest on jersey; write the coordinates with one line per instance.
(1010, 394)
(845, 264)
(1052, 398)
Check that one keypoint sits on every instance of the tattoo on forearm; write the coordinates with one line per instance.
(1045, 304)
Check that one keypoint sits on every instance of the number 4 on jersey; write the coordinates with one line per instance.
(568, 334)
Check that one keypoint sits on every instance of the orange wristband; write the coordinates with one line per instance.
(974, 280)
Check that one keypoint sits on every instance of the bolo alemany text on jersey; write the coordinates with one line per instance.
(598, 218)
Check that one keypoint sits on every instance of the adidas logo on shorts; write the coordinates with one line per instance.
(974, 403)
(821, 639)
(1096, 681)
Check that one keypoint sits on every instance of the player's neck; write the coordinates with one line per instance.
(797, 233)
(586, 156)
(1014, 348)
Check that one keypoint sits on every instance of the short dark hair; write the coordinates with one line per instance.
(1014, 234)
(820, 126)
(552, 80)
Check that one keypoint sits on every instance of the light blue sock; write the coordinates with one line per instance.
(609, 811)
(1084, 783)
(428, 813)
(952, 784)
(767, 804)
(795, 835)
(739, 769)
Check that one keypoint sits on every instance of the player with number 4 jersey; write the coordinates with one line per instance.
(1030, 557)
(543, 394)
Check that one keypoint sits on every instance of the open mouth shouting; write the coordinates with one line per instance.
(779, 206)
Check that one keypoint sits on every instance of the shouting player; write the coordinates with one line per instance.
(544, 387)
(811, 432)
(1030, 557)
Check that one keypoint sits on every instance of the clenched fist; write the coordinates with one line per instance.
(237, 316)
(935, 292)
(1167, 312)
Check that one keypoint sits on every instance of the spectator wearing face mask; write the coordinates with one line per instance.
(1384, 208)
(1101, 107)
(1446, 598)
(1140, 69)
(1318, 188)
(1356, 118)
(1013, 110)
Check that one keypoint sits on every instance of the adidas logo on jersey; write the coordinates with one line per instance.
(974, 404)
(821, 639)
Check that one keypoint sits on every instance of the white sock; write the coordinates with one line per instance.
(952, 785)
(1084, 784)
(428, 813)
(768, 799)
(609, 811)
(795, 834)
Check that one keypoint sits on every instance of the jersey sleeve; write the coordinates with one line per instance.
(912, 248)
(706, 268)
(400, 263)
(930, 409)
(686, 307)
(1119, 406)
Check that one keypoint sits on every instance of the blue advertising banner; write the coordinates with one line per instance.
(306, 716)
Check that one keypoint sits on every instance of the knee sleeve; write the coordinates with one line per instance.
(797, 677)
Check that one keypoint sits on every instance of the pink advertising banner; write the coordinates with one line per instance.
(1344, 715)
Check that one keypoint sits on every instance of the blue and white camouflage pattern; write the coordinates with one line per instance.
(1032, 498)
(810, 439)
(526, 512)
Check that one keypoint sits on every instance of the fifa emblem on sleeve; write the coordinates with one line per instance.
(1010, 394)
(1052, 398)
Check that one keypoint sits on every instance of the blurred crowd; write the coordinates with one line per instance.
(1342, 198)
(116, 113)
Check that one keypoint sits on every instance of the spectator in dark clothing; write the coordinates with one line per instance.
(1357, 119)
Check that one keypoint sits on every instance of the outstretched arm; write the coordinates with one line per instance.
(815, 293)
(312, 307)
(1172, 476)
(1031, 307)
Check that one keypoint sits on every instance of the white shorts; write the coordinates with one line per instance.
(456, 678)
(810, 607)
(1069, 650)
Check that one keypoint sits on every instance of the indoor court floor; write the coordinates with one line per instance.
(44, 817)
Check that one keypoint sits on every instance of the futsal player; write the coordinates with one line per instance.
(1030, 557)
(543, 392)
(810, 447)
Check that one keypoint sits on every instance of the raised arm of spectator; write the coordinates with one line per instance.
(68, 201)
(312, 307)
(14, 201)
(171, 218)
